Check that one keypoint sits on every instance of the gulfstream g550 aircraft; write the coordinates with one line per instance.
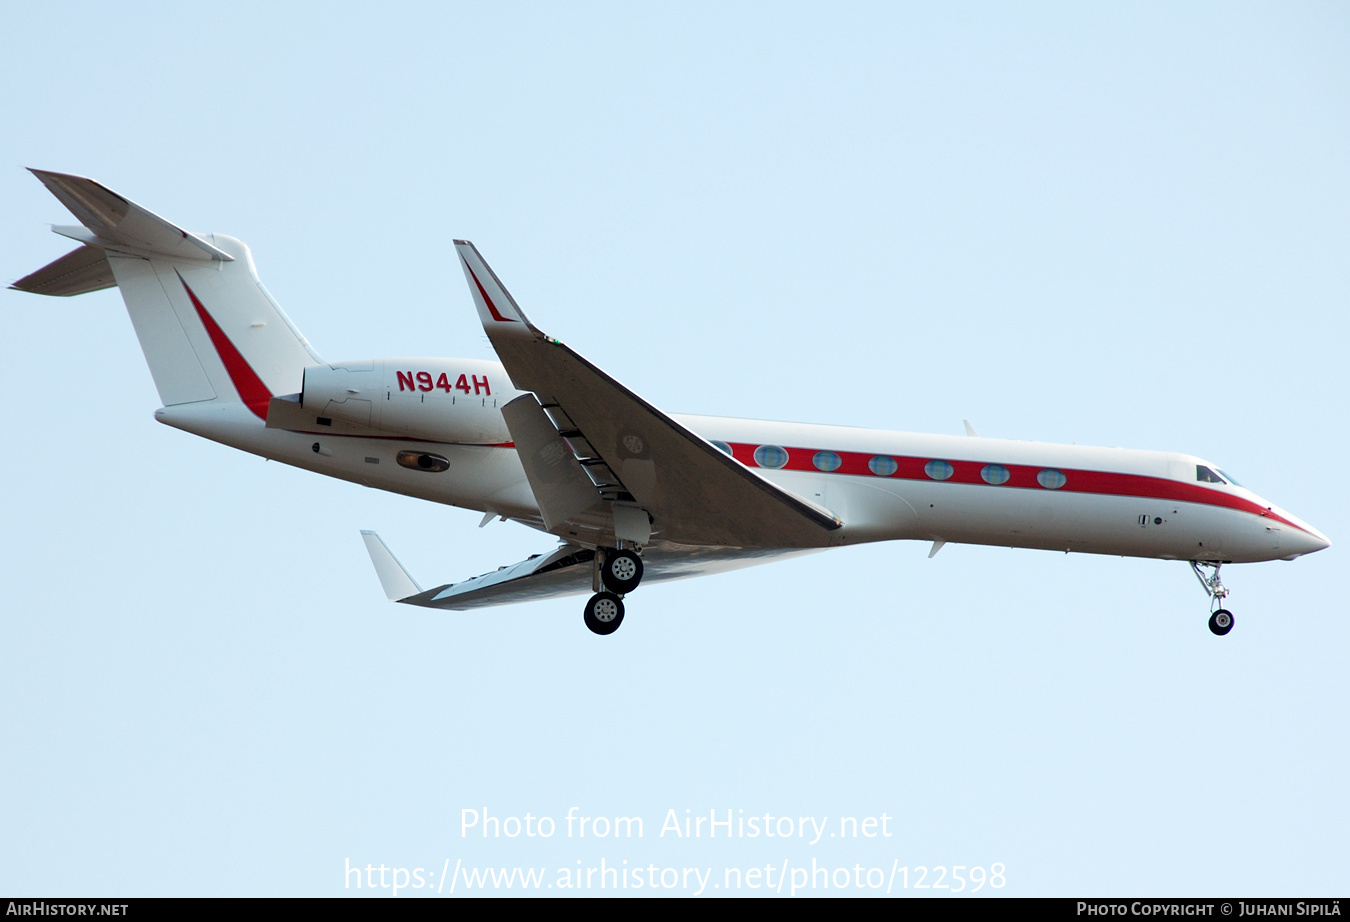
(547, 439)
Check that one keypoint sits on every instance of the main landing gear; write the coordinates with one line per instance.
(604, 613)
(619, 571)
(1221, 619)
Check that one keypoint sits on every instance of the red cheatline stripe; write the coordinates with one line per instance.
(1103, 483)
(492, 308)
(402, 438)
(246, 381)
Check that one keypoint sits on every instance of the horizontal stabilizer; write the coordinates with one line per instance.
(120, 225)
(80, 271)
(398, 585)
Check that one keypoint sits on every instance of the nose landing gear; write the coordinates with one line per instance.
(619, 571)
(1221, 619)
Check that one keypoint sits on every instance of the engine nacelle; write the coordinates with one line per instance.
(441, 400)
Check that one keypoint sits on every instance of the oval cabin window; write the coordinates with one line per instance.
(996, 475)
(882, 465)
(939, 470)
(827, 461)
(1051, 480)
(771, 456)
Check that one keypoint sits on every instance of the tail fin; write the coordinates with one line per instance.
(208, 328)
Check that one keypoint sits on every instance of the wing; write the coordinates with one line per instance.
(660, 481)
(566, 571)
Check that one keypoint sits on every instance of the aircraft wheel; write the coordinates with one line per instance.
(604, 613)
(1221, 622)
(622, 572)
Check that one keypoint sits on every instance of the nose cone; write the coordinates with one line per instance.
(1297, 537)
(1303, 540)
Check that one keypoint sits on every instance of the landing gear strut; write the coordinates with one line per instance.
(619, 571)
(1221, 619)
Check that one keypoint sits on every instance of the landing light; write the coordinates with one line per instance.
(422, 461)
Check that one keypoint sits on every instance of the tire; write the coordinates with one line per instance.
(604, 613)
(1221, 622)
(621, 572)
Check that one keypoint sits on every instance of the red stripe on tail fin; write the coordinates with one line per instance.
(246, 381)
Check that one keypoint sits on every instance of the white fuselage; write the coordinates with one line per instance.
(882, 485)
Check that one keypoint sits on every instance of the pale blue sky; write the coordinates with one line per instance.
(1107, 225)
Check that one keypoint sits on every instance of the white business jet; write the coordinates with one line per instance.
(634, 495)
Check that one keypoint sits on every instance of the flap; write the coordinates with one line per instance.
(560, 485)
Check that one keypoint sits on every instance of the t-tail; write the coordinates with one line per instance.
(209, 330)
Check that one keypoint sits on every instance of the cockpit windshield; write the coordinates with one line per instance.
(1229, 477)
(1206, 475)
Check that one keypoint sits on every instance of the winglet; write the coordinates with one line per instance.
(398, 585)
(496, 308)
